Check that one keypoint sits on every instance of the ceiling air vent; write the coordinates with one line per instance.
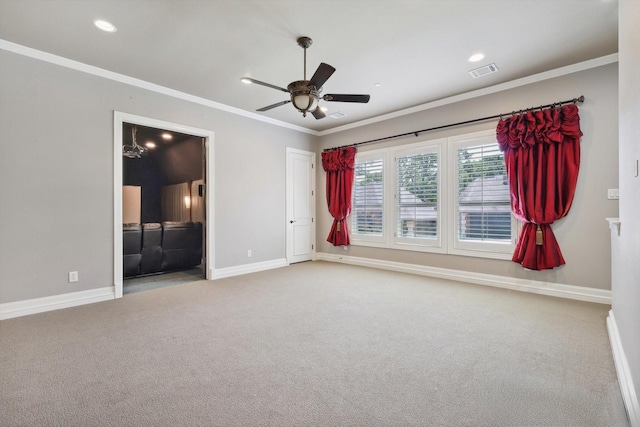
(337, 115)
(483, 71)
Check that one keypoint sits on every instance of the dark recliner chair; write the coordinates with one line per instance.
(181, 245)
(131, 242)
(156, 248)
(151, 248)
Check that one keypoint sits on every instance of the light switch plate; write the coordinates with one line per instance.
(613, 194)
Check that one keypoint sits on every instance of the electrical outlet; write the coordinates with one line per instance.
(73, 276)
(249, 253)
(613, 194)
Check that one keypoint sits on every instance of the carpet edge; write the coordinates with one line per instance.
(10, 310)
(580, 293)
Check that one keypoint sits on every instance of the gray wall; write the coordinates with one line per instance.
(584, 242)
(626, 273)
(56, 176)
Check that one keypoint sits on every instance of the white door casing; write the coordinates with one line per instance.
(300, 205)
(119, 119)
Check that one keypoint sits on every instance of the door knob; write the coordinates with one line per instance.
(292, 221)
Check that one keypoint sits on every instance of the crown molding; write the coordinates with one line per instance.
(100, 72)
(132, 81)
(546, 75)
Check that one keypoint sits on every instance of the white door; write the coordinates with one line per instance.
(300, 205)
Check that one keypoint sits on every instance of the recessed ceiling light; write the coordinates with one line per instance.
(377, 84)
(245, 80)
(476, 57)
(323, 109)
(150, 144)
(167, 136)
(337, 115)
(105, 26)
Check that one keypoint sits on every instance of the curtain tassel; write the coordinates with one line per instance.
(339, 226)
(539, 236)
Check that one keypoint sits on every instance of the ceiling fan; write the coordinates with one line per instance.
(305, 94)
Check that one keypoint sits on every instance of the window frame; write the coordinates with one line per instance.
(368, 239)
(434, 146)
(483, 249)
(447, 241)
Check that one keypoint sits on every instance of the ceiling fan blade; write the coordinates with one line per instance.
(258, 82)
(277, 104)
(318, 114)
(346, 98)
(321, 75)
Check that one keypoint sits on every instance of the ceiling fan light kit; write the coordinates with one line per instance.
(305, 94)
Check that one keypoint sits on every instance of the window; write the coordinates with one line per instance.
(367, 207)
(417, 195)
(402, 201)
(480, 196)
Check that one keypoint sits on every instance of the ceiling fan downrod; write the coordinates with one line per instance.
(305, 42)
(303, 95)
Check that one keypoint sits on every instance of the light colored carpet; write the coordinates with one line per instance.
(313, 344)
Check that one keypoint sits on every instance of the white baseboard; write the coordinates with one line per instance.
(627, 388)
(601, 296)
(221, 273)
(38, 305)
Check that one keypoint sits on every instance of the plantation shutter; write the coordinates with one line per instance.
(417, 196)
(484, 212)
(368, 197)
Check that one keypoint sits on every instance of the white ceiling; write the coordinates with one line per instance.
(416, 49)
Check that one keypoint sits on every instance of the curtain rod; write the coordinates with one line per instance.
(496, 116)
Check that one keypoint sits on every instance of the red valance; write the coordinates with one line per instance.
(339, 165)
(542, 156)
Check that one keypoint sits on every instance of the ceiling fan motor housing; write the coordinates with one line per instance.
(303, 96)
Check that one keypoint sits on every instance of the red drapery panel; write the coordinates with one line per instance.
(542, 156)
(339, 165)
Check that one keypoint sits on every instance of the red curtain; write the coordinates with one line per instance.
(542, 156)
(339, 165)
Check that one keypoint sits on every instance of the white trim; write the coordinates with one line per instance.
(118, 119)
(121, 78)
(601, 296)
(614, 224)
(221, 273)
(546, 75)
(624, 374)
(10, 310)
(90, 69)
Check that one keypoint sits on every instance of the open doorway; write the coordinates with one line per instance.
(163, 212)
